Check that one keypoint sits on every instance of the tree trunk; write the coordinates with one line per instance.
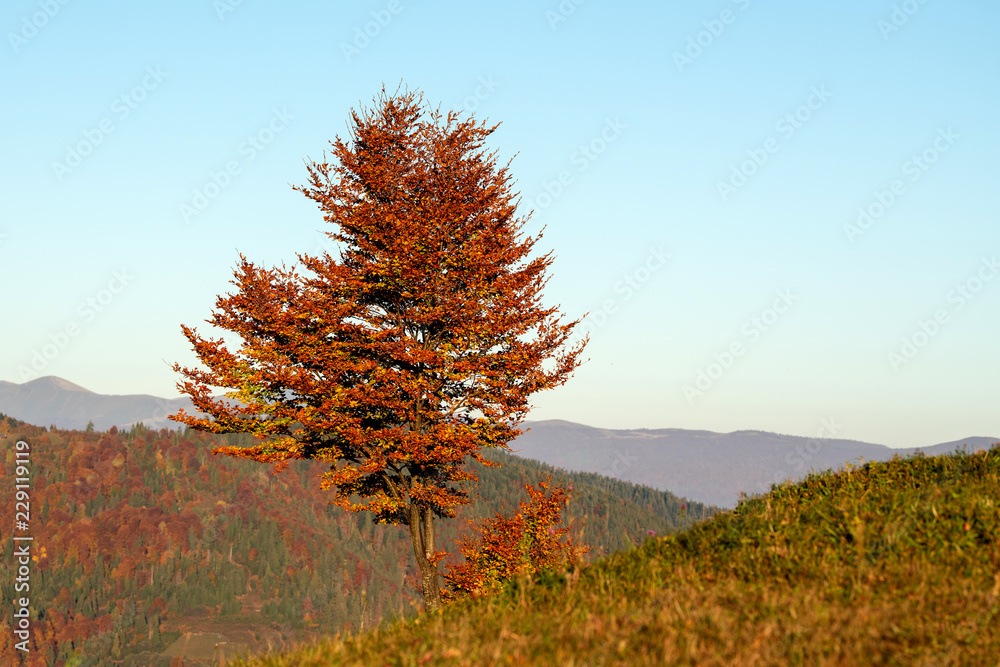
(422, 536)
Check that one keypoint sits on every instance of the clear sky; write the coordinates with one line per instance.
(780, 215)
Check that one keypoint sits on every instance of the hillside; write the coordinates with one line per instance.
(706, 466)
(52, 400)
(892, 562)
(143, 537)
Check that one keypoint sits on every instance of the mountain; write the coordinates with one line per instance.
(52, 400)
(891, 563)
(146, 545)
(712, 468)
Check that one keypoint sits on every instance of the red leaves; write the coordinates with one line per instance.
(416, 347)
(524, 544)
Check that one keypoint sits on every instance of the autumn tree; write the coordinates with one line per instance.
(410, 348)
(505, 548)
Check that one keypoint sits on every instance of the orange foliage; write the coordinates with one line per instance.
(522, 545)
(401, 358)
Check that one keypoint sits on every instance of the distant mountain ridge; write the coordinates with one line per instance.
(149, 537)
(52, 400)
(709, 467)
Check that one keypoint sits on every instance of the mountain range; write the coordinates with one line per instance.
(709, 467)
(148, 549)
(712, 468)
(52, 400)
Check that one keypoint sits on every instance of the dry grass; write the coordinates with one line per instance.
(894, 563)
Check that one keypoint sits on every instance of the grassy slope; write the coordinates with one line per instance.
(889, 563)
(229, 548)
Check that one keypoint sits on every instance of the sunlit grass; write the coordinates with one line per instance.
(887, 563)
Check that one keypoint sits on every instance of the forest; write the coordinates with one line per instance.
(141, 536)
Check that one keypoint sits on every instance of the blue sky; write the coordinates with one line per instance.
(777, 213)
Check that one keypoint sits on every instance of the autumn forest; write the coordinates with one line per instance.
(144, 536)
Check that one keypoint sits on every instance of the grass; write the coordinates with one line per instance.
(894, 563)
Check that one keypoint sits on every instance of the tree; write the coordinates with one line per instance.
(522, 545)
(416, 346)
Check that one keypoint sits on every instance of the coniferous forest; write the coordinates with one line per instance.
(145, 544)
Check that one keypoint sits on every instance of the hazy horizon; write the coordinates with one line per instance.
(827, 432)
(775, 214)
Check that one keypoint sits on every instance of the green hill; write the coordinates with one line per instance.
(150, 540)
(888, 563)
